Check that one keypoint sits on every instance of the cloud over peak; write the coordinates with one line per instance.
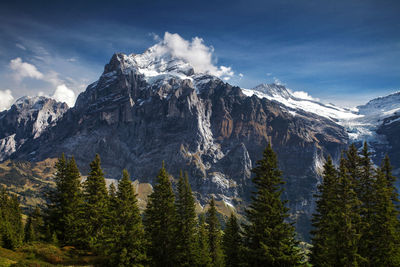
(64, 94)
(6, 99)
(24, 70)
(304, 95)
(195, 52)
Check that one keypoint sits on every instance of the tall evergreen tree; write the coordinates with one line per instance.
(322, 223)
(384, 224)
(203, 253)
(186, 247)
(214, 235)
(160, 221)
(73, 205)
(95, 206)
(112, 192)
(386, 168)
(336, 237)
(232, 243)
(11, 227)
(29, 231)
(345, 219)
(126, 241)
(353, 166)
(34, 227)
(270, 241)
(65, 202)
(365, 190)
(55, 200)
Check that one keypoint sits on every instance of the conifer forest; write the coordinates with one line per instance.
(356, 221)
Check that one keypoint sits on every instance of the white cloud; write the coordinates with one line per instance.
(155, 37)
(23, 69)
(64, 94)
(269, 74)
(53, 78)
(195, 52)
(304, 95)
(240, 75)
(20, 46)
(278, 82)
(6, 99)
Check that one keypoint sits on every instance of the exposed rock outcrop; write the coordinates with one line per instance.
(26, 120)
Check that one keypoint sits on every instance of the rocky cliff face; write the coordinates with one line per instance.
(141, 112)
(26, 120)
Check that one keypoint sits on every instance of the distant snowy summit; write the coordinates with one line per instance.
(361, 123)
(290, 99)
(26, 120)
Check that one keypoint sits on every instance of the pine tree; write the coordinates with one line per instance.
(386, 168)
(186, 223)
(34, 227)
(127, 243)
(29, 231)
(112, 192)
(385, 223)
(353, 166)
(65, 202)
(214, 235)
(55, 200)
(96, 205)
(365, 190)
(11, 227)
(160, 221)
(325, 204)
(203, 253)
(345, 219)
(336, 237)
(232, 243)
(269, 240)
(73, 205)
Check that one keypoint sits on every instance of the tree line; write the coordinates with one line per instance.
(357, 216)
(355, 224)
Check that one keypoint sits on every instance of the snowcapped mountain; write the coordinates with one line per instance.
(281, 94)
(155, 106)
(26, 120)
(157, 67)
(361, 123)
(382, 107)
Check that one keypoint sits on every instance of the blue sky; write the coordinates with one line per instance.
(345, 52)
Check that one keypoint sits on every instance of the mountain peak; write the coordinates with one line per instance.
(34, 102)
(152, 64)
(385, 105)
(273, 90)
(26, 120)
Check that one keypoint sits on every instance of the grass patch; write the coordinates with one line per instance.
(4, 262)
(44, 255)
